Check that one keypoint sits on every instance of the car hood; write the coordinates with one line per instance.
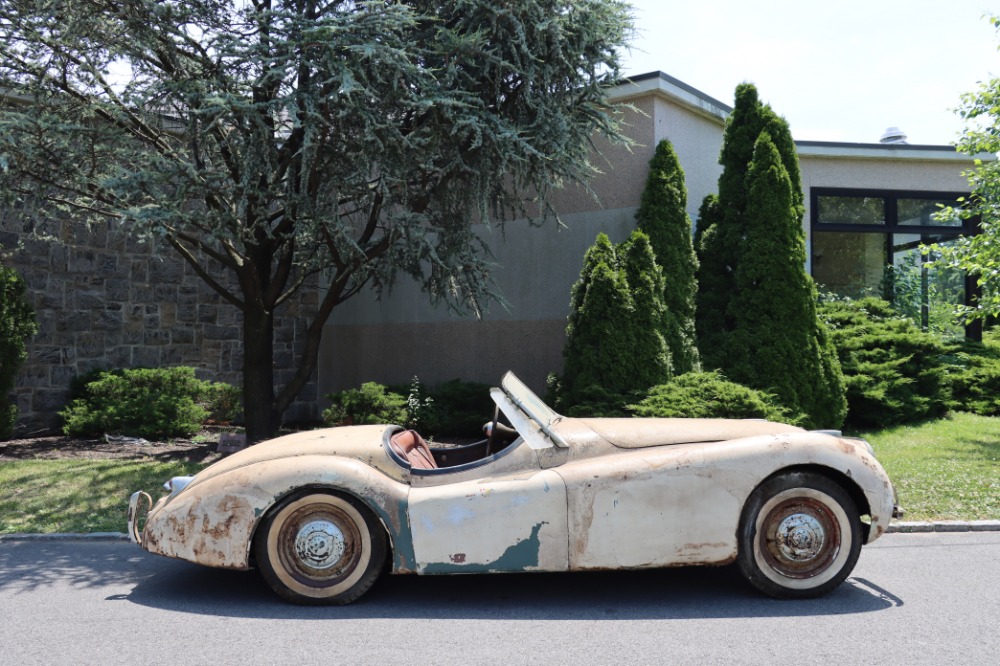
(639, 433)
(362, 443)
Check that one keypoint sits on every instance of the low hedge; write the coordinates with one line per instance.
(974, 375)
(711, 395)
(146, 402)
(894, 372)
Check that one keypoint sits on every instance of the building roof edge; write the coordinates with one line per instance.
(660, 83)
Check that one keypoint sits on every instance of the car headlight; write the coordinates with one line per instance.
(177, 484)
(858, 440)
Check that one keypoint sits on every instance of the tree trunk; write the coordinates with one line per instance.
(261, 418)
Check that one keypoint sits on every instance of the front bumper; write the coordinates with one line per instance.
(136, 512)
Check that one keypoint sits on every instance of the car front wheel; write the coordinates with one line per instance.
(319, 548)
(800, 536)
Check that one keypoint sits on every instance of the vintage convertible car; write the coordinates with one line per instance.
(323, 513)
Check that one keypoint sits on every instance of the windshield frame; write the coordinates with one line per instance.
(529, 415)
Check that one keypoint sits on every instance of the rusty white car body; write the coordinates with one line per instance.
(323, 513)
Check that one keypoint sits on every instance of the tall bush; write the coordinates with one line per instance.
(722, 237)
(662, 215)
(17, 325)
(614, 340)
(777, 343)
(893, 371)
(756, 317)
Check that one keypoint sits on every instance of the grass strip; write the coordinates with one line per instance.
(78, 495)
(945, 469)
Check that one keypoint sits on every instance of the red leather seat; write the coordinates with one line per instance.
(412, 448)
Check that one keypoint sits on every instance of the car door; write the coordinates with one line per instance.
(505, 516)
(651, 507)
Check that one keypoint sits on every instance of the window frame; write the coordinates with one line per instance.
(970, 227)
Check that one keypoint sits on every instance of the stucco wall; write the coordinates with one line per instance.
(402, 336)
(697, 140)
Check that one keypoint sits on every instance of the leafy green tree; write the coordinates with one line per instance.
(979, 255)
(777, 343)
(662, 215)
(17, 325)
(614, 340)
(271, 142)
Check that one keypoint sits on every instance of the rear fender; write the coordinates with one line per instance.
(213, 522)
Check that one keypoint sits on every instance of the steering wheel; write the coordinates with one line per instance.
(492, 431)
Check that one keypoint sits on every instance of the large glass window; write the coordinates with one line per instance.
(850, 210)
(869, 243)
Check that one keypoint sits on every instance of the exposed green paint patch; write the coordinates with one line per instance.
(522, 556)
(398, 524)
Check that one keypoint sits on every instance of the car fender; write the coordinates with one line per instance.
(687, 499)
(214, 521)
(743, 464)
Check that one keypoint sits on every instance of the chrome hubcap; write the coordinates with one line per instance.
(320, 544)
(800, 537)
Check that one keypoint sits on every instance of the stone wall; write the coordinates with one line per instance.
(103, 300)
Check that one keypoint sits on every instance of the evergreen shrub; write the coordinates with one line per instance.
(894, 372)
(17, 325)
(662, 215)
(146, 402)
(368, 405)
(614, 338)
(711, 395)
(756, 314)
(974, 375)
(459, 407)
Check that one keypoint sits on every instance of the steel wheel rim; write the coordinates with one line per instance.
(801, 538)
(321, 545)
(795, 559)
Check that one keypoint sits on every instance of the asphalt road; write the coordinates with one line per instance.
(913, 599)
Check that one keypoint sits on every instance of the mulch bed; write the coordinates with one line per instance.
(59, 447)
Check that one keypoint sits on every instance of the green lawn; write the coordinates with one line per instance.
(77, 495)
(947, 469)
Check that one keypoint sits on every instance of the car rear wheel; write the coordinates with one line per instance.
(800, 536)
(319, 548)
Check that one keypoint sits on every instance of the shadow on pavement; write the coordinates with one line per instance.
(684, 593)
(687, 593)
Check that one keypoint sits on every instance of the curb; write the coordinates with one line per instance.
(899, 527)
(912, 527)
(66, 536)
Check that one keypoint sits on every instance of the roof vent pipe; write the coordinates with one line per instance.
(893, 135)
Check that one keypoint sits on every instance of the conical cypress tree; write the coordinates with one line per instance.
(721, 240)
(649, 360)
(709, 213)
(662, 215)
(614, 339)
(602, 251)
(597, 351)
(777, 342)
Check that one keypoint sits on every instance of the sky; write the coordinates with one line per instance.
(837, 71)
